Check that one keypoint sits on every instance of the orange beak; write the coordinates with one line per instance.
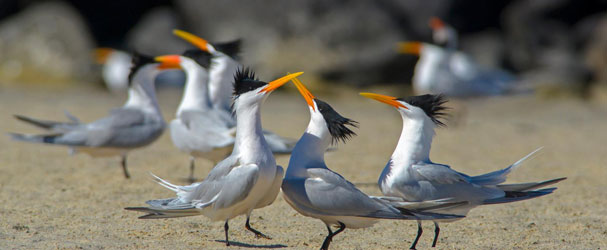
(193, 39)
(385, 99)
(436, 23)
(279, 82)
(410, 48)
(101, 54)
(304, 92)
(168, 62)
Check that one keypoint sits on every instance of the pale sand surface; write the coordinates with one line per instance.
(51, 200)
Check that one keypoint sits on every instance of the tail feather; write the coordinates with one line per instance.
(529, 185)
(34, 138)
(158, 213)
(421, 205)
(165, 184)
(499, 176)
(512, 196)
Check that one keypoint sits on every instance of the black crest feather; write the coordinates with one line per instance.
(432, 105)
(231, 48)
(138, 61)
(336, 123)
(245, 81)
(201, 57)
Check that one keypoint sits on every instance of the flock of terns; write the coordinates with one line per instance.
(220, 113)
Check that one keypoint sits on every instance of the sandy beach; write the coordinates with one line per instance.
(52, 200)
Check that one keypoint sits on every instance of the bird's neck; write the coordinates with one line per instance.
(415, 141)
(196, 92)
(250, 142)
(142, 93)
(309, 152)
(220, 83)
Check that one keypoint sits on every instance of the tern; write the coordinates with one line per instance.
(412, 176)
(198, 129)
(314, 190)
(136, 124)
(452, 72)
(248, 179)
(115, 69)
(223, 66)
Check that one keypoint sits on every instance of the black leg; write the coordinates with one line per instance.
(225, 228)
(419, 234)
(192, 162)
(329, 238)
(436, 232)
(126, 172)
(257, 233)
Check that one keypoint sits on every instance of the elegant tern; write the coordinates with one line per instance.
(136, 124)
(314, 190)
(412, 176)
(198, 129)
(248, 179)
(223, 66)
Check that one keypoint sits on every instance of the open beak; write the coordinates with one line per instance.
(304, 92)
(409, 48)
(168, 62)
(193, 39)
(101, 54)
(385, 99)
(436, 23)
(279, 82)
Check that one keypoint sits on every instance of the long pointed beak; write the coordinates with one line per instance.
(390, 100)
(101, 54)
(193, 39)
(304, 92)
(409, 48)
(279, 82)
(168, 62)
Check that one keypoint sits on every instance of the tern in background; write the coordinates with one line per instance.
(313, 190)
(451, 72)
(198, 129)
(223, 66)
(115, 69)
(136, 124)
(412, 176)
(246, 180)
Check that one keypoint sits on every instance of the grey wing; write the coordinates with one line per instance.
(199, 131)
(327, 193)
(122, 128)
(439, 174)
(439, 181)
(228, 190)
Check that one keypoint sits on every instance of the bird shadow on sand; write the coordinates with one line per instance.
(240, 244)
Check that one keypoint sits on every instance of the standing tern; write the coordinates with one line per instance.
(223, 66)
(136, 124)
(198, 129)
(248, 179)
(412, 176)
(314, 190)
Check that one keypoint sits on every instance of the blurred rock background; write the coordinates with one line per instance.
(556, 42)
